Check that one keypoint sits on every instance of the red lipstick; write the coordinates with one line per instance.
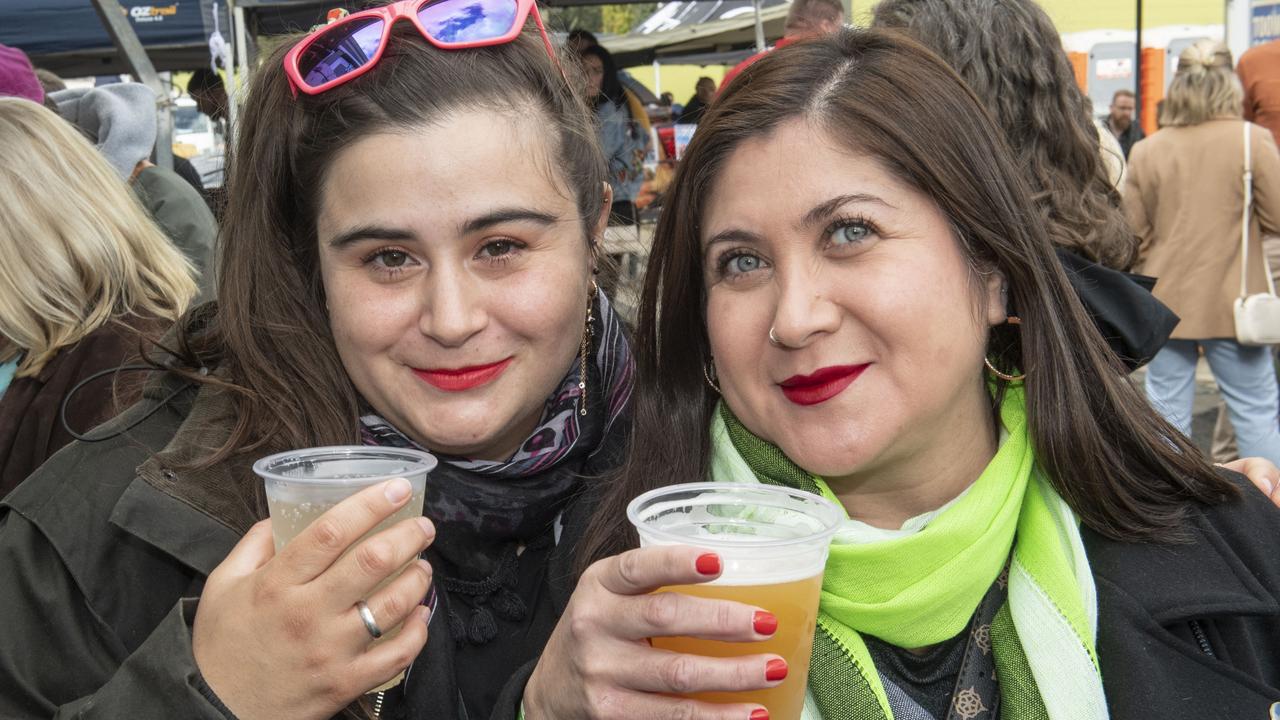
(462, 379)
(821, 385)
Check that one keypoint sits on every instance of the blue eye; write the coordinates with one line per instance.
(744, 263)
(738, 263)
(850, 233)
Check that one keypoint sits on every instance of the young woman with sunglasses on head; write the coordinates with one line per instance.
(1026, 537)
(407, 260)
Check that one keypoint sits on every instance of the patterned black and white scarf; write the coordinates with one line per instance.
(485, 510)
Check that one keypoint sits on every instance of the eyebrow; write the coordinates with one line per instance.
(821, 212)
(488, 220)
(734, 235)
(506, 215)
(370, 232)
(815, 216)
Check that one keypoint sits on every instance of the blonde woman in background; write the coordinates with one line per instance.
(83, 274)
(1183, 196)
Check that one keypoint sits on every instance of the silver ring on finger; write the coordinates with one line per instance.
(366, 616)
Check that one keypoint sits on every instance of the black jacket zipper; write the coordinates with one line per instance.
(1201, 638)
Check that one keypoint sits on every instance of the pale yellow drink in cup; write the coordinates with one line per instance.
(772, 542)
(301, 485)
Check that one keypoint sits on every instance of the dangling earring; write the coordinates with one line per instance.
(586, 348)
(709, 374)
(1015, 321)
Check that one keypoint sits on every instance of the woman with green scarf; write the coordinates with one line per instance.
(859, 299)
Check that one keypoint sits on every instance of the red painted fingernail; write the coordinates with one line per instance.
(708, 564)
(775, 670)
(765, 623)
(759, 714)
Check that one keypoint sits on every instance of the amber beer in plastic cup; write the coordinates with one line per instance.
(302, 485)
(772, 542)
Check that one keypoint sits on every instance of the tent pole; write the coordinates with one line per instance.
(657, 77)
(242, 57)
(759, 26)
(233, 79)
(116, 22)
(1137, 65)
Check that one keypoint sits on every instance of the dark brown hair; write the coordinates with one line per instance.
(1125, 471)
(1011, 55)
(269, 336)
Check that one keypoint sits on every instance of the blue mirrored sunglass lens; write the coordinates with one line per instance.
(340, 51)
(453, 21)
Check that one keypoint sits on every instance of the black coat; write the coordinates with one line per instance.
(104, 553)
(1192, 631)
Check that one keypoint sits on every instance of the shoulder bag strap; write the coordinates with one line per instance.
(1244, 231)
(1244, 214)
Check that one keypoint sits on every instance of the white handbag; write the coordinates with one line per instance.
(1257, 316)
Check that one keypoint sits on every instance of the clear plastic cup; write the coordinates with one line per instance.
(773, 543)
(301, 485)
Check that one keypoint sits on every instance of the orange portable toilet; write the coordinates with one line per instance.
(1103, 60)
(1080, 66)
(1160, 51)
(1152, 84)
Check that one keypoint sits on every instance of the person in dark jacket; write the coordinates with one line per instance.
(1121, 122)
(877, 317)
(84, 274)
(704, 93)
(409, 262)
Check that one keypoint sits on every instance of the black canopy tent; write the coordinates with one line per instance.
(68, 37)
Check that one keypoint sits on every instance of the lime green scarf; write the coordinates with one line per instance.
(923, 588)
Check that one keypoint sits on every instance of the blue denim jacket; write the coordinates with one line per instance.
(624, 143)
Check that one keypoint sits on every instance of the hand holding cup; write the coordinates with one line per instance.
(600, 663)
(728, 627)
(280, 634)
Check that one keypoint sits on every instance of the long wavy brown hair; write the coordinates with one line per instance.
(269, 337)
(1122, 468)
(1011, 55)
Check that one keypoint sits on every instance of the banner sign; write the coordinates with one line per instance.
(1264, 22)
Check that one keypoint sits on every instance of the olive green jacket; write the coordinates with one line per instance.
(73, 644)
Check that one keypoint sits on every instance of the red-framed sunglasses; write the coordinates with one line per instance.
(349, 47)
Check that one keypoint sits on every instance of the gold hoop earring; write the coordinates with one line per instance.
(1015, 321)
(709, 374)
(586, 348)
(1003, 376)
